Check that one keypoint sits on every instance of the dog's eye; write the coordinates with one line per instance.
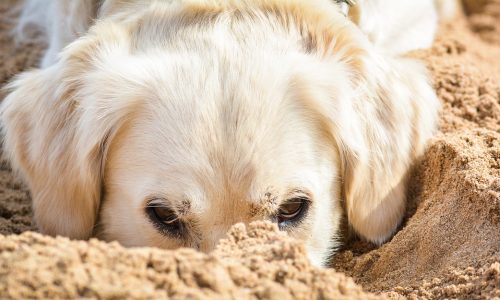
(165, 215)
(292, 211)
(165, 219)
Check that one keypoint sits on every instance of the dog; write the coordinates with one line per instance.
(163, 123)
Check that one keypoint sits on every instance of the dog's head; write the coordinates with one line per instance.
(168, 126)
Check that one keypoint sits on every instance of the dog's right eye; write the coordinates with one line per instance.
(292, 212)
(165, 220)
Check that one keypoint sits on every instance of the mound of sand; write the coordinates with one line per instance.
(259, 263)
(448, 246)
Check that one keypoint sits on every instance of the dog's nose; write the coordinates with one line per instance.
(210, 241)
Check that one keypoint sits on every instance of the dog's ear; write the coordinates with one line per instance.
(61, 164)
(56, 132)
(380, 112)
(395, 110)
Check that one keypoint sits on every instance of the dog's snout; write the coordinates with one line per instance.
(210, 241)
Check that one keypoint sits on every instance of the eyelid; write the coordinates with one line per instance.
(297, 200)
(299, 194)
(157, 202)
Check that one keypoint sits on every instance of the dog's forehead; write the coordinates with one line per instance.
(221, 120)
(224, 132)
(232, 130)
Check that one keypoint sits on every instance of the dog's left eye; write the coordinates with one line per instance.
(291, 211)
(165, 220)
(165, 215)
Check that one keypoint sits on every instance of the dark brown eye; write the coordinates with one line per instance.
(292, 211)
(165, 215)
(164, 219)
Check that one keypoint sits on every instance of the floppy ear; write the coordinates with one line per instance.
(62, 165)
(395, 111)
(380, 112)
(56, 130)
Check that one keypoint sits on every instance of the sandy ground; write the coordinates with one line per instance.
(447, 247)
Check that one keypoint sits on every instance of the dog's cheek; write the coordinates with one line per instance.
(321, 237)
(116, 222)
(324, 218)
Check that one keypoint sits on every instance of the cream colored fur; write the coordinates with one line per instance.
(223, 110)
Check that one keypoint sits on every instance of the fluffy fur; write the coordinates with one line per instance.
(222, 110)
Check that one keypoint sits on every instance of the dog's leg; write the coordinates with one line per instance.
(62, 21)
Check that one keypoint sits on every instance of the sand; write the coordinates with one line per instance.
(447, 247)
(257, 263)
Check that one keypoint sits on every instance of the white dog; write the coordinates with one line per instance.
(165, 122)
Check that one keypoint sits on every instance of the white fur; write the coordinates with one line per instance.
(398, 26)
(222, 110)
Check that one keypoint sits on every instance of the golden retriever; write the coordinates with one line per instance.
(162, 123)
